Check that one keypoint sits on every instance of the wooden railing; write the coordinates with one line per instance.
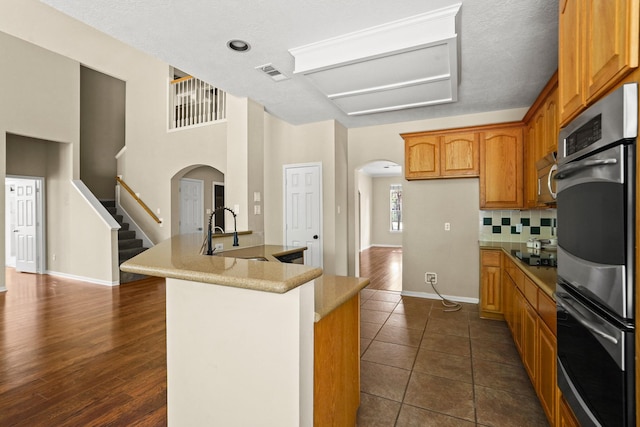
(137, 199)
(194, 102)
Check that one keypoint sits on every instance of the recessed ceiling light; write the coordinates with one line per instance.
(238, 45)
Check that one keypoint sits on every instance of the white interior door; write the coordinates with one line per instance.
(303, 211)
(191, 205)
(26, 225)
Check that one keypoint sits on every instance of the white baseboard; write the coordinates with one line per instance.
(376, 245)
(83, 279)
(435, 296)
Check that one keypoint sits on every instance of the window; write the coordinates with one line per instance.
(396, 207)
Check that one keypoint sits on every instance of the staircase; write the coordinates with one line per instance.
(128, 245)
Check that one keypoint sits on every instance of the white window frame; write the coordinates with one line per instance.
(395, 208)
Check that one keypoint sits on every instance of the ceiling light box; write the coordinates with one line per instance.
(408, 63)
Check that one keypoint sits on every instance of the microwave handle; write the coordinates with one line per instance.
(572, 168)
(554, 168)
(593, 327)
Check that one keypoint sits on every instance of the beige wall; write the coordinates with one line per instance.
(381, 214)
(363, 212)
(324, 143)
(102, 129)
(152, 156)
(426, 205)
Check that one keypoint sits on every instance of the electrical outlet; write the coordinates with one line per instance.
(447, 226)
(219, 247)
(518, 228)
(431, 278)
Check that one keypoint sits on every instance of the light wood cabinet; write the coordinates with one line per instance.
(490, 287)
(551, 129)
(565, 415)
(501, 168)
(531, 316)
(422, 156)
(598, 46)
(546, 383)
(541, 137)
(431, 155)
(336, 379)
(459, 155)
(529, 339)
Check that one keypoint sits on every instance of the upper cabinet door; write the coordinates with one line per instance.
(422, 157)
(598, 46)
(501, 164)
(611, 43)
(460, 155)
(570, 58)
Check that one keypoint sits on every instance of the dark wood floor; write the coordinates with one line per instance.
(383, 266)
(77, 354)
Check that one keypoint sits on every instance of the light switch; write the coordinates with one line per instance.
(256, 209)
(256, 196)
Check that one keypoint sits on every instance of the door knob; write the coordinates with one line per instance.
(315, 236)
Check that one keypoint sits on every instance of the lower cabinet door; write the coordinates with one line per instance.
(546, 386)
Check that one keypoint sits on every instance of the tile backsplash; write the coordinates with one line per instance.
(517, 226)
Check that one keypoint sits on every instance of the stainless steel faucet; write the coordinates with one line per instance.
(210, 228)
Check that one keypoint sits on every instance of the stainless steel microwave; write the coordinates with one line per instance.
(547, 168)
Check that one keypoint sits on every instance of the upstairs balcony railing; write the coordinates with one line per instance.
(193, 102)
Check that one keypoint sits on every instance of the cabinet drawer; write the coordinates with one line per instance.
(491, 258)
(531, 292)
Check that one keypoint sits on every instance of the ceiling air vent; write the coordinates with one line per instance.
(270, 71)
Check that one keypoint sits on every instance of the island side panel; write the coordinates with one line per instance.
(337, 366)
(238, 357)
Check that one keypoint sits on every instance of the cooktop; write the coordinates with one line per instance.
(537, 257)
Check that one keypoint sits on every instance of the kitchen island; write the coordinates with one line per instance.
(242, 335)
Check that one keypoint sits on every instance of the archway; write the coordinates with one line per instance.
(212, 180)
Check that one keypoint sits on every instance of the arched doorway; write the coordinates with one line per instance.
(195, 191)
(379, 224)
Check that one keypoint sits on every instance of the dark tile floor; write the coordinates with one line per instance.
(422, 366)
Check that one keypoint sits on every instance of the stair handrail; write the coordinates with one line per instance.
(137, 199)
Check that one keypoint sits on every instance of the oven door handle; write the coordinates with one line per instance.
(571, 168)
(593, 327)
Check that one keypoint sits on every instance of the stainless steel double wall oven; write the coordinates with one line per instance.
(596, 252)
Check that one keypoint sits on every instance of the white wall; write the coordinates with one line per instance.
(426, 204)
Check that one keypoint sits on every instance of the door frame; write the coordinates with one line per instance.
(41, 243)
(200, 181)
(285, 168)
(215, 184)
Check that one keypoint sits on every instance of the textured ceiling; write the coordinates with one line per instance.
(508, 47)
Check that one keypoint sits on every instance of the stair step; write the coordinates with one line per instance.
(126, 277)
(125, 254)
(129, 243)
(108, 203)
(118, 218)
(126, 234)
(111, 210)
(124, 226)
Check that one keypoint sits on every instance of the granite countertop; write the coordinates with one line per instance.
(544, 277)
(333, 291)
(180, 257)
